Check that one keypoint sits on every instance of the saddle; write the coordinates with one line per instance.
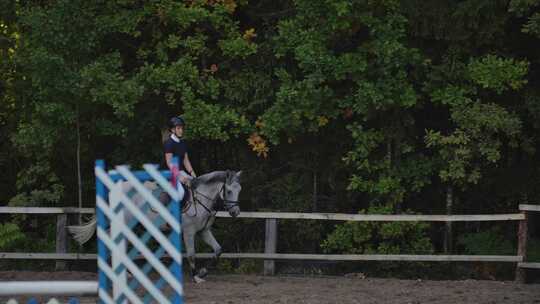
(186, 202)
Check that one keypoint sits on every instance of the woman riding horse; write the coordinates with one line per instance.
(197, 219)
(175, 146)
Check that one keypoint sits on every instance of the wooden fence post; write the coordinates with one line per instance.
(523, 236)
(61, 239)
(270, 244)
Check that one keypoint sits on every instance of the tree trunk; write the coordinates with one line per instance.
(396, 162)
(448, 227)
(79, 178)
(389, 151)
(314, 206)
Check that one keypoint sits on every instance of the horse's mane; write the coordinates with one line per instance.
(212, 177)
(217, 176)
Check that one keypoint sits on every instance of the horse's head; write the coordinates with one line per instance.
(230, 192)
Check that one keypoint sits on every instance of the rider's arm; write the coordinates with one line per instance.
(187, 165)
(168, 160)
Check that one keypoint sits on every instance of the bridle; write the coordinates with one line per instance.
(227, 204)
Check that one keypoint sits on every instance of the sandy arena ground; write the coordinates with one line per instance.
(317, 290)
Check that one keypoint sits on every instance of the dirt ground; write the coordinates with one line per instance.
(317, 290)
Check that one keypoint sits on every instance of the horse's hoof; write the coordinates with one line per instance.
(218, 253)
(202, 273)
(198, 280)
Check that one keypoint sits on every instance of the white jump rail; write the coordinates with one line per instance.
(28, 288)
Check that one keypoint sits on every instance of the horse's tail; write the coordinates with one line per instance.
(83, 233)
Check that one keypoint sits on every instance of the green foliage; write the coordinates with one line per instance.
(355, 63)
(24, 233)
(288, 193)
(490, 242)
(238, 47)
(307, 238)
(37, 198)
(106, 84)
(335, 78)
(521, 7)
(379, 238)
(389, 176)
(478, 139)
(527, 8)
(112, 65)
(480, 128)
(498, 74)
(533, 25)
(301, 106)
(533, 250)
(37, 185)
(225, 266)
(245, 266)
(214, 121)
(10, 236)
(249, 267)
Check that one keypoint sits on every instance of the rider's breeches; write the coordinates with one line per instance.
(179, 185)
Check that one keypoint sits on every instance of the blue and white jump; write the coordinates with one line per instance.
(120, 242)
(122, 239)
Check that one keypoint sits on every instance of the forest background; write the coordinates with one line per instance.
(382, 107)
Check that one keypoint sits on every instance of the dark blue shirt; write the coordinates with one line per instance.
(178, 149)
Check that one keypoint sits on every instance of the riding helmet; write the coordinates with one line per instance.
(176, 121)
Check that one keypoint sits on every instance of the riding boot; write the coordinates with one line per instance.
(187, 196)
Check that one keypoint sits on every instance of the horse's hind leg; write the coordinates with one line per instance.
(189, 242)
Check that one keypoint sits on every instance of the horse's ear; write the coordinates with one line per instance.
(239, 174)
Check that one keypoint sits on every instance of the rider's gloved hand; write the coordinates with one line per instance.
(184, 179)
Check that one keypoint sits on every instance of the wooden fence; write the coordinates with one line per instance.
(271, 237)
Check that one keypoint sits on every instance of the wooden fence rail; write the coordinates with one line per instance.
(305, 216)
(271, 238)
(291, 257)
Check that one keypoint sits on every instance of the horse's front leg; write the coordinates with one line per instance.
(209, 239)
(189, 242)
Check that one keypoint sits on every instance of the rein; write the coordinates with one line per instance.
(228, 205)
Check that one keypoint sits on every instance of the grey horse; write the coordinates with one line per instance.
(198, 215)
